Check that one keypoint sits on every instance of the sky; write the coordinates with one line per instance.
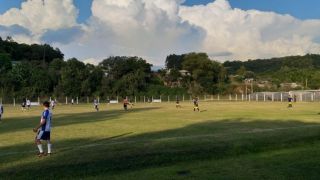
(92, 30)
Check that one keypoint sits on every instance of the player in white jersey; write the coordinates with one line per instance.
(1, 111)
(28, 104)
(43, 130)
(96, 104)
(53, 104)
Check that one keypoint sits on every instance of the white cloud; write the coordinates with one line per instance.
(251, 34)
(154, 29)
(38, 17)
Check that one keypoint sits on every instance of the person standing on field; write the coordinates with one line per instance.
(1, 111)
(43, 130)
(125, 104)
(28, 104)
(96, 104)
(196, 104)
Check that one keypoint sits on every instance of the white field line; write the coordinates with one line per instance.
(253, 131)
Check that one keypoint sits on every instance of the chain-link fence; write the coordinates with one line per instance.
(298, 96)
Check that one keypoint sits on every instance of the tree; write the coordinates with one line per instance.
(174, 61)
(204, 72)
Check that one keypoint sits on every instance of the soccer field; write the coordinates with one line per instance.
(226, 140)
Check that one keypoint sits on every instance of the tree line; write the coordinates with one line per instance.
(40, 70)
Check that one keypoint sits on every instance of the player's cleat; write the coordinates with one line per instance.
(40, 154)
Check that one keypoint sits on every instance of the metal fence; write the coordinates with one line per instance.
(299, 96)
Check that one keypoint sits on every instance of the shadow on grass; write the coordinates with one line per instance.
(22, 123)
(79, 158)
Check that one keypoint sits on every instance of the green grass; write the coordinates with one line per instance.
(157, 141)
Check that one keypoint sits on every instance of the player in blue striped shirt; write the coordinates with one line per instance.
(43, 130)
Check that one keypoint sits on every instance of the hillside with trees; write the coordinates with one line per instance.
(40, 70)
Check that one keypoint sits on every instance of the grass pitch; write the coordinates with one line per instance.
(237, 140)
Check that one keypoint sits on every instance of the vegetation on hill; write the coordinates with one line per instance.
(40, 70)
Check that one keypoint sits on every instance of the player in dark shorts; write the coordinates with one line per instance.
(178, 103)
(290, 100)
(23, 104)
(96, 104)
(125, 104)
(196, 104)
(1, 111)
(43, 130)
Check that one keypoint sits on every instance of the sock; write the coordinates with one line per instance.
(40, 148)
(49, 148)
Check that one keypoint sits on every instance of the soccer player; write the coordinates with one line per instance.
(125, 104)
(23, 104)
(96, 104)
(178, 103)
(28, 104)
(196, 104)
(1, 111)
(52, 104)
(43, 130)
(290, 102)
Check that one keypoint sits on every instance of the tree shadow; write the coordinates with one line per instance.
(27, 123)
(118, 154)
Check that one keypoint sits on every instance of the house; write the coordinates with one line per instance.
(185, 73)
(289, 85)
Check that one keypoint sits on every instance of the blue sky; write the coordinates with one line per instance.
(302, 9)
(223, 32)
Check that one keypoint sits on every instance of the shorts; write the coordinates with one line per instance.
(43, 135)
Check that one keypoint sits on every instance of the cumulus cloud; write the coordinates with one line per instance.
(251, 34)
(157, 28)
(39, 16)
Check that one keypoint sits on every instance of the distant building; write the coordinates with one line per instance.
(182, 72)
(185, 73)
(14, 63)
(289, 85)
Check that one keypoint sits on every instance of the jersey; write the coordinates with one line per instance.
(195, 102)
(47, 116)
(1, 109)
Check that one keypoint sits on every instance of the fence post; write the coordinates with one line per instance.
(183, 98)
(14, 102)
(77, 100)
(66, 99)
(242, 97)
(144, 99)
(257, 97)
(301, 99)
(264, 97)
(230, 97)
(50, 99)
(98, 100)
(218, 97)
(281, 96)
(236, 97)
(168, 98)
(135, 99)
(160, 99)
(249, 97)
(312, 97)
(152, 99)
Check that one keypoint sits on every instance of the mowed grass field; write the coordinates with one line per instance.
(226, 140)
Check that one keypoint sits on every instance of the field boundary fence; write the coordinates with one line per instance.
(297, 96)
